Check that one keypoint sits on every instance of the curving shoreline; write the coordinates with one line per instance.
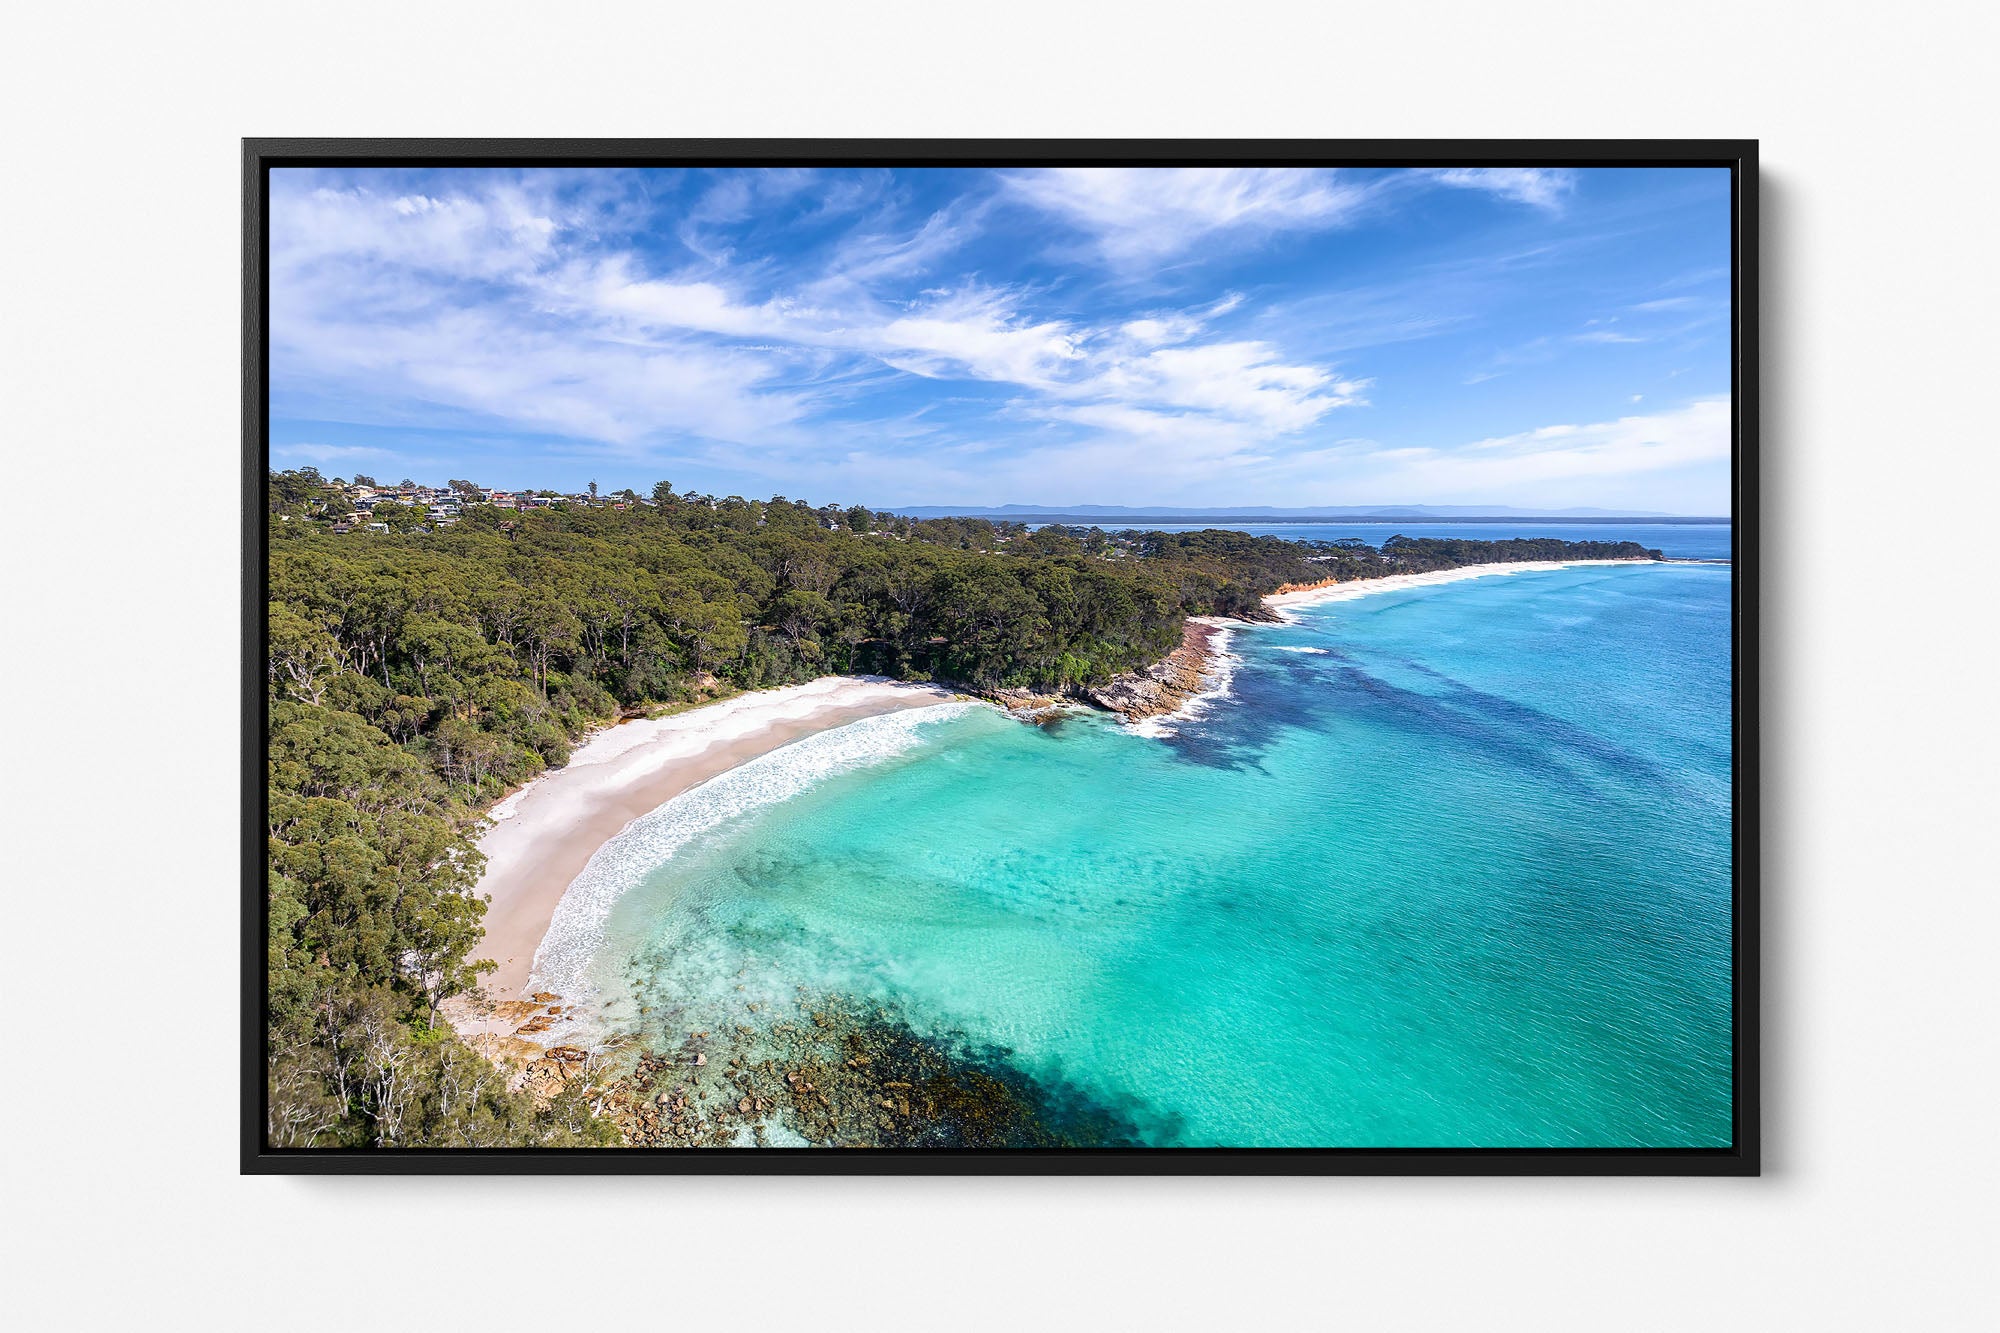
(544, 834)
(1346, 591)
(1181, 684)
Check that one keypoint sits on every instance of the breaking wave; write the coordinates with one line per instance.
(1218, 675)
(576, 931)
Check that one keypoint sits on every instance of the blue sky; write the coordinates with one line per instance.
(1148, 336)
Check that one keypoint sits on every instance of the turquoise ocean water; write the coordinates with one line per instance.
(1447, 866)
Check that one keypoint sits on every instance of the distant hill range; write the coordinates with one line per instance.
(1127, 515)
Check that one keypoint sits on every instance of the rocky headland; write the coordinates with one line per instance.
(1169, 684)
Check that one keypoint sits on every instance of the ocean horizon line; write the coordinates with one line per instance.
(1371, 519)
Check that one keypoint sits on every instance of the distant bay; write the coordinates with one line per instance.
(1678, 541)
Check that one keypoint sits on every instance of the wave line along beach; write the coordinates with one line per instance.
(544, 834)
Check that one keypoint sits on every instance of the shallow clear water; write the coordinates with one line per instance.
(1448, 866)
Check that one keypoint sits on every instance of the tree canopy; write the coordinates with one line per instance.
(415, 675)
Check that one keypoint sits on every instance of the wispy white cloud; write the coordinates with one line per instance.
(1137, 214)
(1248, 383)
(868, 257)
(332, 453)
(735, 197)
(612, 290)
(1543, 187)
(1606, 458)
(899, 344)
(976, 335)
(1674, 461)
(501, 231)
(494, 303)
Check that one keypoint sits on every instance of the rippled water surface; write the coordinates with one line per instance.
(1448, 867)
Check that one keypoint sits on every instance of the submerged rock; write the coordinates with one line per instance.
(861, 1076)
(1028, 705)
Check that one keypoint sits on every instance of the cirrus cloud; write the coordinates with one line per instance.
(1137, 214)
(932, 336)
(1543, 187)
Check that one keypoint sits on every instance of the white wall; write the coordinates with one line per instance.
(119, 315)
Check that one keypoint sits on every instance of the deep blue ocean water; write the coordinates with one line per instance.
(1678, 541)
(1447, 866)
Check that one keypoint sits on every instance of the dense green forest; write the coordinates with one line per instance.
(417, 673)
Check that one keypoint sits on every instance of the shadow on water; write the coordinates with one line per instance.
(1321, 691)
(1209, 747)
(1262, 703)
(1519, 718)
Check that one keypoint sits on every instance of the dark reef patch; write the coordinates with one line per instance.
(1516, 718)
(845, 1073)
(1267, 697)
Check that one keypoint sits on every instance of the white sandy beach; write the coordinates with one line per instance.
(546, 832)
(1347, 592)
(1217, 664)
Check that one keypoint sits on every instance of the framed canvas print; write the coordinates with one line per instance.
(1000, 657)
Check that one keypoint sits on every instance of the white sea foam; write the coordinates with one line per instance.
(1218, 674)
(576, 931)
(1298, 648)
(1221, 670)
(645, 745)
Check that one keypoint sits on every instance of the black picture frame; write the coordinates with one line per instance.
(1741, 1158)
